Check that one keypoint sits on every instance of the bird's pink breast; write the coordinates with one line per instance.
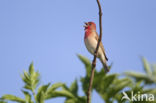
(87, 33)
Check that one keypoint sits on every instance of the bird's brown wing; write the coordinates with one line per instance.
(101, 45)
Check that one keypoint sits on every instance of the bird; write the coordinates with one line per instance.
(91, 39)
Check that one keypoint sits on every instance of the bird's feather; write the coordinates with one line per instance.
(101, 45)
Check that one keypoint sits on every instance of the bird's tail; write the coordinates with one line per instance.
(105, 66)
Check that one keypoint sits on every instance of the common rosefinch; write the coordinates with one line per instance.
(91, 40)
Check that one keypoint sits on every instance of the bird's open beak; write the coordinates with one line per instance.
(86, 24)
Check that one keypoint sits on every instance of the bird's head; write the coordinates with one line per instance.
(90, 26)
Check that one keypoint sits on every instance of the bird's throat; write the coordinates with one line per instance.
(87, 33)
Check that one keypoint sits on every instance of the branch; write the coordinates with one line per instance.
(95, 54)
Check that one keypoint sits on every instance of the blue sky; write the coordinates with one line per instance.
(50, 33)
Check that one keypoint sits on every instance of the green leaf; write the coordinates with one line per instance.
(51, 91)
(13, 98)
(105, 81)
(2, 101)
(28, 87)
(42, 92)
(85, 80)
(43, 88)
(31, 69)
(147, 67)
(76, 100)
(140, 77)
(70, 101)
(137, 87)
(26, 78)
(149, 91)
(31, 78)
(42, 97)
(67, 92)
(27, 97)
(74, 87)
(54, 87)
(85, 84)
(63, 93)
(117, 86)
(87, 64)
(154, 70)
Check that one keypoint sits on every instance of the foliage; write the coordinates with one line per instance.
(2, 101)
(149, 77)
(33, 93)
(109, 86)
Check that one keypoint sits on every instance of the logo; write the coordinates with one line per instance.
(137, 97)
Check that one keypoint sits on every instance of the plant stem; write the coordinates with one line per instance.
(95, 55)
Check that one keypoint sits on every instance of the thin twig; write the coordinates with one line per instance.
(95, 55)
